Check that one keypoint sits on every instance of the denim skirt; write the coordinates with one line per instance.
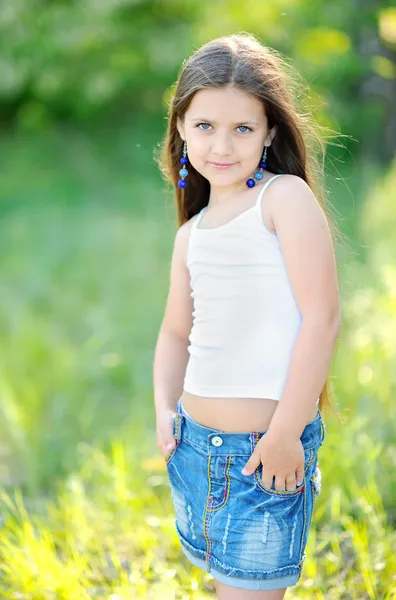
(242, 532)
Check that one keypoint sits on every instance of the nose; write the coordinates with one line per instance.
(221, 145)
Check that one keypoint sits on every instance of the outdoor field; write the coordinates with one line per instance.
(86, 234)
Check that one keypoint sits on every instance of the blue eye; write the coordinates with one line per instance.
(244, 127)
(240, 126)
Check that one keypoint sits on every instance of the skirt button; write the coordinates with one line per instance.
(217, 440)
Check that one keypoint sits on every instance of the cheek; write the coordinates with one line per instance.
(253, 148)
(253, 157)
(198, 153)
(199, 146)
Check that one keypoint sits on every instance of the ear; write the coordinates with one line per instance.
(271, 135)
(180, 128)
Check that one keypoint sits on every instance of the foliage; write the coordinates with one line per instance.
(109, 59)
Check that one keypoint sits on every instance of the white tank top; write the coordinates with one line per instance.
(245, 317)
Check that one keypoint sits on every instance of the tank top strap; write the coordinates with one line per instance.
(197, 220)
(265, 187)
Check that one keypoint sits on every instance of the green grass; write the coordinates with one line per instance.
(86, 509)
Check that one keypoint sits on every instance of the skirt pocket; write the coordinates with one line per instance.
(308, 458)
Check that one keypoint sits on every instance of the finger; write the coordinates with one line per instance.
(164, 440)
(267, 478)
(300, 475)
(165, 447)
(291, 483)
(166, 450)
(251, 464)
(280, 484)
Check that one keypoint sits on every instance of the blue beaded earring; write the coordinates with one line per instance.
(258, 174)
(182, 183)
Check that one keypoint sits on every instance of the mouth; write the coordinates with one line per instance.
(222, 165)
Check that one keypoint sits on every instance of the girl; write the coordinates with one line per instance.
(250, 324)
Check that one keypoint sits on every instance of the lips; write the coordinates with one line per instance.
(222, 165)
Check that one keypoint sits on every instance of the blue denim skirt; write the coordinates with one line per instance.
(232, 525)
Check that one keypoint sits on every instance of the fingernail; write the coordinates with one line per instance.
(169, 446)
(244, 471)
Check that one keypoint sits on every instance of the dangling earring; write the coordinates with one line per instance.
(182, 183)
(259, 174)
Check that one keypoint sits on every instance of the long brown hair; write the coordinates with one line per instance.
(240, 60)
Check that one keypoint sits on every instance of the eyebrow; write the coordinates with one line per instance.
(205, 120)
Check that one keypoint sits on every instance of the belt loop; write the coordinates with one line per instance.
(254, 437)
(177, 427)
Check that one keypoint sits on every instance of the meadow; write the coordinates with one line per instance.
(86, 233)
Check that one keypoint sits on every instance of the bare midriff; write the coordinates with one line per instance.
(233, 414)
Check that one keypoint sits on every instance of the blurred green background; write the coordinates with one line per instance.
(86, 231)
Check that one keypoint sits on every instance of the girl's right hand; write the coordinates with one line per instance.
(165, 440)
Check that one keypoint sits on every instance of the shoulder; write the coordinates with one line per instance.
(284, 195)
(182, 238)
(290, 183)
(290, 199)
(183, 233)
(299, 221)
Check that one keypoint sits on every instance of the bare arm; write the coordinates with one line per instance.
(307, 249)
(306, 244)
(171, 354)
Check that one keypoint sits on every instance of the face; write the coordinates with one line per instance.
(225, 126)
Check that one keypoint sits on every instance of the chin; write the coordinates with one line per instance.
(224, 183)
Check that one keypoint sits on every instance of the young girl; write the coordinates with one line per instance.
(250, 324)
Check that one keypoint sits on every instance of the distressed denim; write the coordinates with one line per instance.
(242, 532)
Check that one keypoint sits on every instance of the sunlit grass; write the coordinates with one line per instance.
(108, 528)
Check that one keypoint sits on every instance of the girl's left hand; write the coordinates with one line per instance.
(281, 458)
